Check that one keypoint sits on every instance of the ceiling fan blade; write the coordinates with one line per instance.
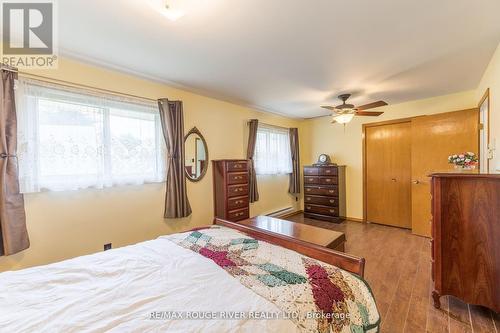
(372, 105)
(328, 107)
(363, 113)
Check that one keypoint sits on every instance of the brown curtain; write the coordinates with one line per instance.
(14, 236)
(172, 124)
(294, 187)
(253, 194)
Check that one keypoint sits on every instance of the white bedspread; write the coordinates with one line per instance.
(118, 290)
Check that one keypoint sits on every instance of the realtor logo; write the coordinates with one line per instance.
(28, 34)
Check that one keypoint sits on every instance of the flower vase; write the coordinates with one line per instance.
(465, 168)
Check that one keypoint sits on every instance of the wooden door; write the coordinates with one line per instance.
(434, 138)
(388, 174)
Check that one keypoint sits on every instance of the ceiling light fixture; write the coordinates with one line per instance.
(171, 13)
(343, 118)
(171, 9)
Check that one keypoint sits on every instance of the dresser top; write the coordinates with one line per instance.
(324, 166)
(465, 175)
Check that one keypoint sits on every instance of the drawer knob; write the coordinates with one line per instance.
(327, 171)
(328, 180)
(308, 207)
(332, 211)
(308, 190)
(332, 201)
(330, 191)
(308, 199)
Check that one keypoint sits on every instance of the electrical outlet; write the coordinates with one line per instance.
(107, 246)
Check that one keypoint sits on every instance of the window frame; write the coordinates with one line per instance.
(269, 130)
(104, 177)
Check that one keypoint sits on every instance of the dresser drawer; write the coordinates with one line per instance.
(237, 190)
(320, 200)
(328, 171)
(237, 202)
(239, 214)
(331, 211)
(310, 171)
(237, 178)
(237, 166)
(331, 191)
(311, 180)
(327, 180)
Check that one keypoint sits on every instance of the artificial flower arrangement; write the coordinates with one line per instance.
(466, 160)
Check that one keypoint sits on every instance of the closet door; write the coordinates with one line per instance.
(388, 174)
(434, 138)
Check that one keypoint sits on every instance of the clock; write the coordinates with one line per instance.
(323, 159)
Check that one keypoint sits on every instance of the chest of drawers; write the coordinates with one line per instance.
(324, 193)
(231, 189)
(465, 246)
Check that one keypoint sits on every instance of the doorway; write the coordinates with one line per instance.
(484, 133)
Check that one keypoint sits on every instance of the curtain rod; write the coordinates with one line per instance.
(270, 125)
(79, 85)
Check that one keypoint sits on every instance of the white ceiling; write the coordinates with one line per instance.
(290, 56)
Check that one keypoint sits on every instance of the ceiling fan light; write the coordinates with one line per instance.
(344, 118)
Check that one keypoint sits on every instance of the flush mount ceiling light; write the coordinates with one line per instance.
(172, 9)
(171, 12)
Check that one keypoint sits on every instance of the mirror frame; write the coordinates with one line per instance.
(195, 130)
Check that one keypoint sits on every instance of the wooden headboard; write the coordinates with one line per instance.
(344, 261)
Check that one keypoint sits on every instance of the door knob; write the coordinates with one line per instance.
(393, 179)
(416, 182)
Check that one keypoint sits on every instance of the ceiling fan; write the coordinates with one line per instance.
(344, 113)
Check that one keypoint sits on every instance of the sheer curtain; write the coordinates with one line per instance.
(71, 139)
(272, 151)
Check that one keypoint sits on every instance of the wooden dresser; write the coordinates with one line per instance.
(231, 189)
(324, 193)
(466, 238)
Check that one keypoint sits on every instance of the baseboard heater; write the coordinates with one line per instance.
(282, 212)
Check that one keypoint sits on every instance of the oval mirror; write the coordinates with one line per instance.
(196, 155)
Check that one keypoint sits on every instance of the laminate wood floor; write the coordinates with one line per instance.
(398, 270)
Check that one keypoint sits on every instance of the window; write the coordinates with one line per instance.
(70, 139)
(272, 151)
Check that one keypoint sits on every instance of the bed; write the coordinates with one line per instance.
(211, 279)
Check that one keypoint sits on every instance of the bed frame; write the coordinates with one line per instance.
(347, 262)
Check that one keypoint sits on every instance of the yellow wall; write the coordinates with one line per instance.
(345, 145)
(67, 224)
(491, 79)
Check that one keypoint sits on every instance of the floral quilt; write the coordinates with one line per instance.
(317, 297)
